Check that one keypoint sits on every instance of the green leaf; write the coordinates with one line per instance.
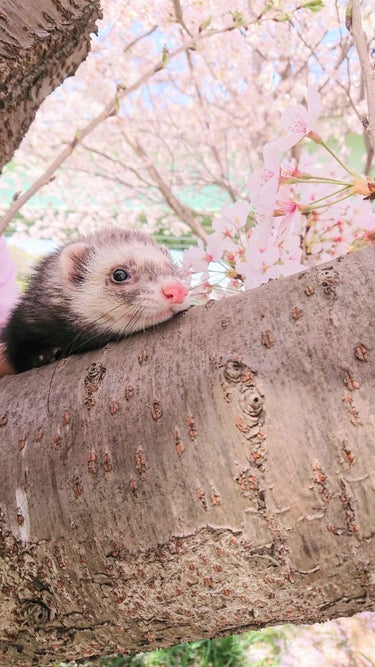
(313, 5)
(282, 18)
(164, 56)
(204, 25)
(238, 19)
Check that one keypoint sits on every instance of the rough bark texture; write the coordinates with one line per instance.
(214, 476)
(41, 43)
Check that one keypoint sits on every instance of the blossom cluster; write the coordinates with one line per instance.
(296, 213)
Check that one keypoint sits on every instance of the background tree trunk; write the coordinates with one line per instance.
(213, 476)
(41, 43)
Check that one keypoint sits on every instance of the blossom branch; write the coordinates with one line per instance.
(183, 212)
(355, 27)
(109, 110)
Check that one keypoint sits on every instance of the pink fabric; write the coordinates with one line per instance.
(9, 293)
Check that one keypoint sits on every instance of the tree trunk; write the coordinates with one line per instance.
(41, 43)
(208, 477)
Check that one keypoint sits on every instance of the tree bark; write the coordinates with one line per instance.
(41, 43)
(212, 476)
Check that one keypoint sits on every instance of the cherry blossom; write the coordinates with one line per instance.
(228, 225)
(198, 258)
(271, 262)
(231, 218)
(308, 214)
(263, 185)
(300, 120)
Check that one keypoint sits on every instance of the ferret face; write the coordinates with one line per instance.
(122, 286)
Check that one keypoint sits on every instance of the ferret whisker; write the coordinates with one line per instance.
(197, 286)
(79, 338)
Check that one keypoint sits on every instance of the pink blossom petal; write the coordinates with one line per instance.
(259, 238)
(271, 255)
(314, 104)
(226, 243)
(299, 120)
(232, 217)
(263, 185)
(283, 144)
(271, 156)
(195, 258)
(198, 258)
(214, 249)
(295, 119)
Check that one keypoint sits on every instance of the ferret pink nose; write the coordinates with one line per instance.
(174, 292)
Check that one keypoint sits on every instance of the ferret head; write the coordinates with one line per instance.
(121, 282)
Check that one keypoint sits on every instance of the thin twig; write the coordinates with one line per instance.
(180, 16)
(138, 39)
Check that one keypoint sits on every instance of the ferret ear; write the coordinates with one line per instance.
(72, 261)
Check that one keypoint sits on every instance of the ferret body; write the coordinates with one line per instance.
(87, 293)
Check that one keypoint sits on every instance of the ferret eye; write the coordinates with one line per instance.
(120, 276)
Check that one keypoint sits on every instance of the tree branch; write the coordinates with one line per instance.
(208, 477)
(354, 25)
(183, 212)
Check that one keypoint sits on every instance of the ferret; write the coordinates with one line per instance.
(90, 292)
